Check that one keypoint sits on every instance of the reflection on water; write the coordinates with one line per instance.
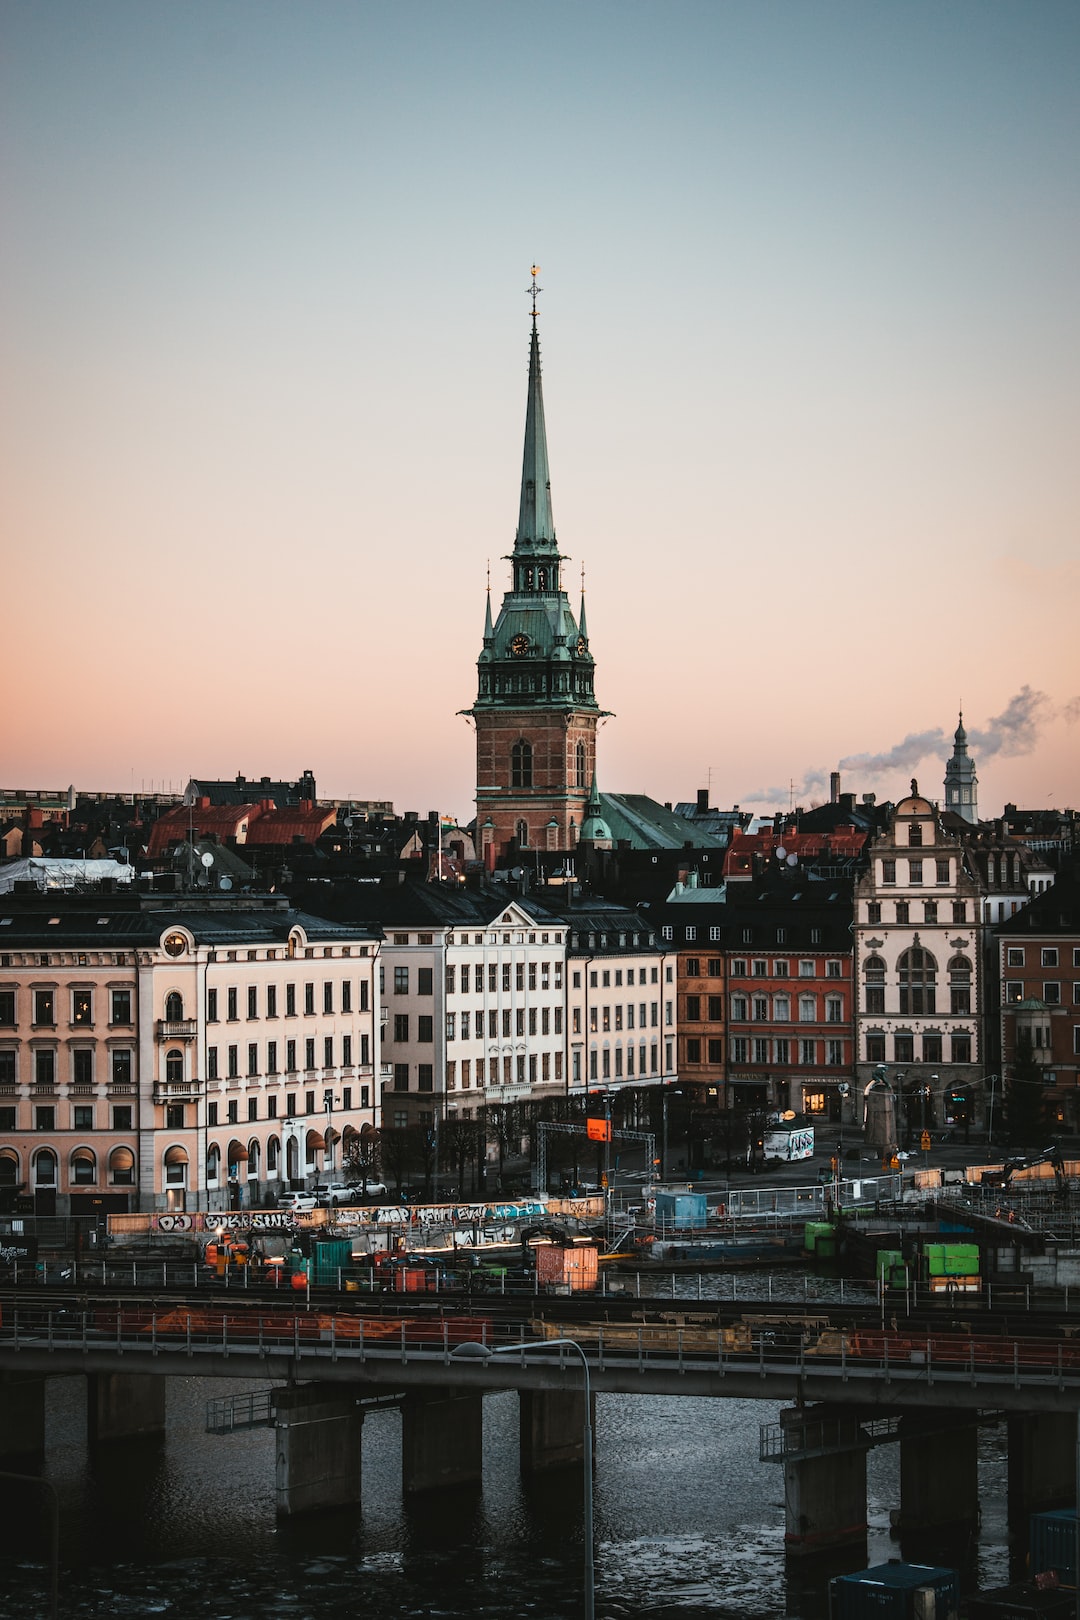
(689, 1524)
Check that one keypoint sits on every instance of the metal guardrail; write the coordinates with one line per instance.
(225, 1414)
(940, 1362)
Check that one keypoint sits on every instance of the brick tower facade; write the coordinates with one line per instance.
(535, 712)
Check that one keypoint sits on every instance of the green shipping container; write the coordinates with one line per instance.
(333, 1256)
(818, 1236)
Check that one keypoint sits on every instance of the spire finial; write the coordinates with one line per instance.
(534, 290)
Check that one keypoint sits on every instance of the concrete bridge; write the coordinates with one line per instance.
(847, 1391)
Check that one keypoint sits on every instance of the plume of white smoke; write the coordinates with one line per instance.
(1014, 731)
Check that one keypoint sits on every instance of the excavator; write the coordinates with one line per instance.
(1003, 1178)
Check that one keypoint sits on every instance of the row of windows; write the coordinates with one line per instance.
(777, 1009)
(713, 1049)
(341, 1001)
(606, 1018)
(82, 1168)
(930, 912)
(532, 1020)
(761, 1049)
(82, 1118)
(80, 1071)
(714, 967)
(932, 1049)
(538, 975)
(616, 1063)
(292, 1108)
(44, 1007)
(917, 871)
(758, 967)
(1049, 955)
(917, 975)
(534, 1068)
(1049, 991)
(348, 1050)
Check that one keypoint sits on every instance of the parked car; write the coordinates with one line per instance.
(339, 1192)
(296, 1201)
(349, 1192)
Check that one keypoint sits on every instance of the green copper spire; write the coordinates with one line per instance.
(536, 526)
(535, 654)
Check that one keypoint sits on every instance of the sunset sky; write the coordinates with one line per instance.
(811, 345)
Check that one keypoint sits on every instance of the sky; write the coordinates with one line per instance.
(811, 347)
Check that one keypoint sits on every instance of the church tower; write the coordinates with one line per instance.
(535, 710)
(961, 783)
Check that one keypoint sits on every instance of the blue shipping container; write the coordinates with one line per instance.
(896, 1591)
(683, 1210)
(1053, 1544)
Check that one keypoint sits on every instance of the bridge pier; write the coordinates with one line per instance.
(551, 1428)
(317, 1433)
(124, 1406)
(824, 1490)
(939, 1478)
(442, 1438)
(1042, 1464)
(22, 1415)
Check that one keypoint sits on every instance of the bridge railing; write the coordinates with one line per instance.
(764, 1347)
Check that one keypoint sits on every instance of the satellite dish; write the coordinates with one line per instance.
(793, 860)
(225, 883)
(517, 871)
(207, 859)
(781, 852)
(348, 821)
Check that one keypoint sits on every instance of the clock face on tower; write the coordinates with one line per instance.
(581, 647)
(519, 646)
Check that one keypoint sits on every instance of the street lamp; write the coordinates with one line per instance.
(843, 1088)
(473, 1351)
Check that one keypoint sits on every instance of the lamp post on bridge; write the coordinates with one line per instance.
(474, 1351)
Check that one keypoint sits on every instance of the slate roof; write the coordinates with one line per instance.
(102, 920)
(643, 823)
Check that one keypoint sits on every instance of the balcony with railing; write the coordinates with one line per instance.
(177, 1029)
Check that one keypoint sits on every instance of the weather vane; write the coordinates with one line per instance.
(534, 289)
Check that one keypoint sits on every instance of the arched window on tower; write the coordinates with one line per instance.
(874, 984)
(521, 833)
(918, 980)
(521, 764)
(960, 985)
(174, 1007)
(582, 765)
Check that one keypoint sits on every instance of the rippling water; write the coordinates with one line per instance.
(689, 1524)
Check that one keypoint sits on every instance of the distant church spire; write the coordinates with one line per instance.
(961, 782)
(536, 526)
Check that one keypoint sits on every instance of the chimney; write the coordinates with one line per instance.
(834, 787)
(702, 800)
